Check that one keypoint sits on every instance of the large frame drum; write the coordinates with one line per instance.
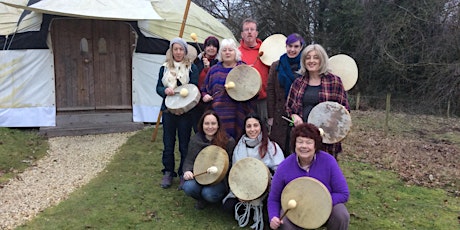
(333, 118)
(345, 67)
(243, 83)
(212, 155)
(314, 202)
(186, 97)
(272, 48)
(249, 179)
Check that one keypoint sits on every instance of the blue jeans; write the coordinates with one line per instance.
(210, 193)
(183, 125)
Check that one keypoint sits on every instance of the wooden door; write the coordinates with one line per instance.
(92, 64)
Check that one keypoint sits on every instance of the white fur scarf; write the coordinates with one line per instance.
(179, 72)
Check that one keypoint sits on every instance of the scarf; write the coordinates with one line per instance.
(251, 143)
(180, 73)
(285, 74)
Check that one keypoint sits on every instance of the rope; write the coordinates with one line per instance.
(243, 219)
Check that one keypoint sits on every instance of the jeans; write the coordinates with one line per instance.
(210, 193)
(183, 125)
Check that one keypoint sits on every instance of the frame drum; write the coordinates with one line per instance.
(345, 67)
(272, 48)
(314, 202)
(246, 80)
(212, 155)
(248, 180)
(333, 118)
(178, 104)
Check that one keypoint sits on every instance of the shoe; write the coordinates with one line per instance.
(167, 180)
(181, 183)
(200, 204)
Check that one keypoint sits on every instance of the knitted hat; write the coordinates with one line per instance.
(179, 41)
(211, 40)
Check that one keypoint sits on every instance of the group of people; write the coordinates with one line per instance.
(291, 87)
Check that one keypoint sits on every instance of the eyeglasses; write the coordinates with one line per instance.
(249, 30)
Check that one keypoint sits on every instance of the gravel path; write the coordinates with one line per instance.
(71, 162)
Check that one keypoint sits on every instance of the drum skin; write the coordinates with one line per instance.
(249, 179)
(272, 48)
(345, 67)
(212, 155)
(247, 82)
(314, 202)
(178, 104)
(333, 118)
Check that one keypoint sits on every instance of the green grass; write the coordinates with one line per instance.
(127, 195)
(19, 149)
(379, 200)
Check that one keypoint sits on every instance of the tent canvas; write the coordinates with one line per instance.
(27, 65)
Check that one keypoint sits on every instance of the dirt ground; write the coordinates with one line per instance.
(423, 150)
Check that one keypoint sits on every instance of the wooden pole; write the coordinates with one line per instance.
(448, 108)
(387, 113)
(181, 33)
(358, 100)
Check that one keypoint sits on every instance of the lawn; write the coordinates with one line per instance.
(127, 194)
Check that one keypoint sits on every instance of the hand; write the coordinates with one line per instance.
(275, 222)
(205, 62)
(297, 119)
(169, 91)
(188, 175)
(207, 98)
(270, 121)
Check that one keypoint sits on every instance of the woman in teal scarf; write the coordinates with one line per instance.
(282, 74)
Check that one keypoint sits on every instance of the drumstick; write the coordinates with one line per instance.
(210, 170)
(183, 92)
(194, 37)
(291, 122)
(291, 205)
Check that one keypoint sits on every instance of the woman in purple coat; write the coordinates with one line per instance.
(309, 161)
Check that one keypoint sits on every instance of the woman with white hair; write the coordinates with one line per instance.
(177, 70)
(232, 113)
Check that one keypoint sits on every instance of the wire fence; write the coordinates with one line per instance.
(403, 104)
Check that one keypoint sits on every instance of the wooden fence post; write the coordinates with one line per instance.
(387, 113)
(358, 99)
(448, 108)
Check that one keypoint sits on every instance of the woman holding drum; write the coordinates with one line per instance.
(316, 85)
(210, 132)
(309, 161)
(177, 70)
(253, 144)
(230, 111)
(281, 75)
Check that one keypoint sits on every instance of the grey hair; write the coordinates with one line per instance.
(323, 57)
(229, 43)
